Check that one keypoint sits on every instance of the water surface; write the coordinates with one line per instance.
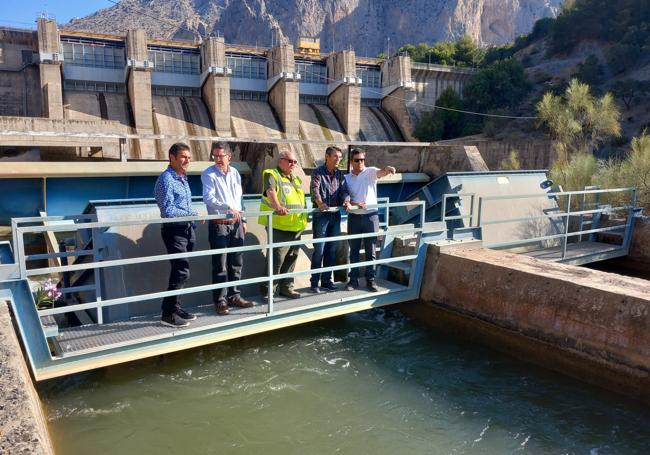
(374, 382)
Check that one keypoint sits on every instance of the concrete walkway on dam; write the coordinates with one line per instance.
(592, 325)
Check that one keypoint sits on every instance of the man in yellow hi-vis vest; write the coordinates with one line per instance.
(282, 191)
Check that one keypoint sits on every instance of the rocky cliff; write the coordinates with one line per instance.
(368, 26)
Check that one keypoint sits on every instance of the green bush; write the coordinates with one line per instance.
(441, 123)
(633, 170)
(502, 84)
(590, 71)
(511, 162)
(576, 173)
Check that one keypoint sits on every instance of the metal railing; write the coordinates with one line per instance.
(24, 226)
(460, 196)
(577, 198)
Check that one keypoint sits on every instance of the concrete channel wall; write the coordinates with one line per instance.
(592, 325)
(640, 247)
(22, 423)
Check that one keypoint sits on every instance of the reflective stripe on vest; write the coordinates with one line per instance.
(291, 196)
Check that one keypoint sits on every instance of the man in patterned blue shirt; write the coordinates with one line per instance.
(174, 199)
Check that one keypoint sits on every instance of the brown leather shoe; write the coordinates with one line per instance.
(241, 302)
(222, 308)
(290, 294)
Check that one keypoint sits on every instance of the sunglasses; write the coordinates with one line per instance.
(290, 161)
(359, 160)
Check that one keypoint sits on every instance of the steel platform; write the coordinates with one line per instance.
(579, 253)
(93, 346)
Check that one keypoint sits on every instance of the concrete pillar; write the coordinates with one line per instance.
(396, 85)
(139, 88)
(284, 88)
(344, 91)
(216, 87)
(49, 50)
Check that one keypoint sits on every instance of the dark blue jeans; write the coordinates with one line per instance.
(363, 224)
(324, 225)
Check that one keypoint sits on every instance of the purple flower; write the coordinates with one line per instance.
(52, 290)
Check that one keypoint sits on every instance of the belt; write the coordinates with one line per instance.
(228, 222)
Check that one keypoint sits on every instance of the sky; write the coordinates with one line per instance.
(23, 13)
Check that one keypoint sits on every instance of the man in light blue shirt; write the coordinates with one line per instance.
(174, 199)
(222, 194)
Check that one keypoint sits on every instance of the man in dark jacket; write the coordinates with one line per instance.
(329, 193)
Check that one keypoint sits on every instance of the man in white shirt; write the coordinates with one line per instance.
(222, 194)
(362, 185)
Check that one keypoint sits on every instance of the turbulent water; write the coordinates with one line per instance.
(374, 382)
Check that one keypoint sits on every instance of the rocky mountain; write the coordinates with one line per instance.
(368, 26)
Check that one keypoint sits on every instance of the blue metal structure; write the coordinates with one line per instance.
(55, 351)
(519, 211)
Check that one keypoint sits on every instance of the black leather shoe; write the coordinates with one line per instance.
(372, 286)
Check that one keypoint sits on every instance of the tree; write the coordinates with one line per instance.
(628, 90)
(621, 57)
(590, 71)
(442, 123)
(467, 52)
(577, 120)
(443, 53)
(501, 84)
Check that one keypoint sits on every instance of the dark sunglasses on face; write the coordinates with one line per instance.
(290, 161)
(359, 160)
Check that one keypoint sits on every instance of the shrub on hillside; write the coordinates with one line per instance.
(590, 71)
(442, 123)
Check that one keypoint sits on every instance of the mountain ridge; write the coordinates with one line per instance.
(367, 26)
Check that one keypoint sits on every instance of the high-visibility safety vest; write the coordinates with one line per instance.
(290, 195)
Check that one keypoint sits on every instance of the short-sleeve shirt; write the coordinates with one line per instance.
(363, 188)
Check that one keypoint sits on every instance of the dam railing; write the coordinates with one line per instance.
(571, 220)
(24, 226)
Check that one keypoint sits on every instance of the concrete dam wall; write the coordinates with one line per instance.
(377, 125)
(181, 115)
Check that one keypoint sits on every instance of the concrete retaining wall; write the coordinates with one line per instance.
(22, 424)
(533, 154)
(591, 325)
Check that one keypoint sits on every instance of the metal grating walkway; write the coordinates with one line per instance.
(579, 253)
(98, 337)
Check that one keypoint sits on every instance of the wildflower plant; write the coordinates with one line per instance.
(47, 294)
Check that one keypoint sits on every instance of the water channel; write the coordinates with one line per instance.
(374, 382)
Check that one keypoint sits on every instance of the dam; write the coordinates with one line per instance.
(477, 268)
(132, 84)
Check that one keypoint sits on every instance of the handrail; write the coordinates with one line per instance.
(98, 304)
(565, 215)
(469, 216)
